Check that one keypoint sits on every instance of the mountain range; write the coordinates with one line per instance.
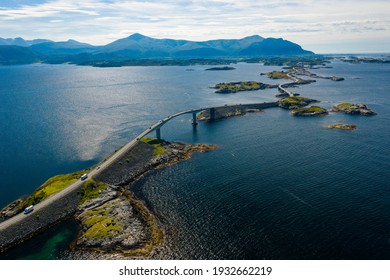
(140, 47)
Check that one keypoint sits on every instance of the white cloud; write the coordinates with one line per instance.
(99, 21)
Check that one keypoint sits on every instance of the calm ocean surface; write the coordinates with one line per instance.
(278, 187)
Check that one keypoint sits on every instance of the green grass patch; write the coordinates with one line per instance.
(156, 143)
(293, 101)
(52, 186)
(91, 190)
(102, 226)
(345, 105)
(311, 109)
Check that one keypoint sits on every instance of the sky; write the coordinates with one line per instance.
(333, 26)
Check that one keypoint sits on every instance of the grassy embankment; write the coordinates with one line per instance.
(51, 186)
(91, 190)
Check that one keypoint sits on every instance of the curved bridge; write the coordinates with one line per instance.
(16, 224)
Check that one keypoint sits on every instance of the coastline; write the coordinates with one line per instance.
(118, 179)
(341, 117)
(153, 231)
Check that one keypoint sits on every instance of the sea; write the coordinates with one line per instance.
(278, 186)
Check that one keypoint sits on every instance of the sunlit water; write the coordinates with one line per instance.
(278, 187)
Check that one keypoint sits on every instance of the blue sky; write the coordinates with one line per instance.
(333, 26)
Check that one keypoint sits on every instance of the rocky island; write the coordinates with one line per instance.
(233, 87)
(295, 102)
(277, 75)
(353, 109)
(341, 126)
(311, 111)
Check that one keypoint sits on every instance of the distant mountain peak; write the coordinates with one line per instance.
(255, 37)
(137, 37)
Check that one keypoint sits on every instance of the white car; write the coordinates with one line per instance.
(28, 209)
(84, 177)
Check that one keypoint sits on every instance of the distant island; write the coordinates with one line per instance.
(233, 87)
(224, 68)
(138, 49)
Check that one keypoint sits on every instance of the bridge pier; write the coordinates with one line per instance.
(194, 122)
(158, 133)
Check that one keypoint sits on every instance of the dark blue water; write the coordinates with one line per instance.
(279, 187)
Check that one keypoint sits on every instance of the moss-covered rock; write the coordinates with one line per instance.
(115, 226)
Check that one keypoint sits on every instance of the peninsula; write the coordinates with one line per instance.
(112, 219)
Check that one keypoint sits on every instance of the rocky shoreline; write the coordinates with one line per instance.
(116, 224)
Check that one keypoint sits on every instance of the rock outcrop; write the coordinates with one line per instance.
(342, 126)
(354, 109)
(115, 221)
(311, 111)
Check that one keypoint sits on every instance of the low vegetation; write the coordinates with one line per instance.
(294, 102)
(91, 190)
(356, 109)
(345, 105)
(52, 186)
(101, 224)
(310, 111)
(157, 144)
